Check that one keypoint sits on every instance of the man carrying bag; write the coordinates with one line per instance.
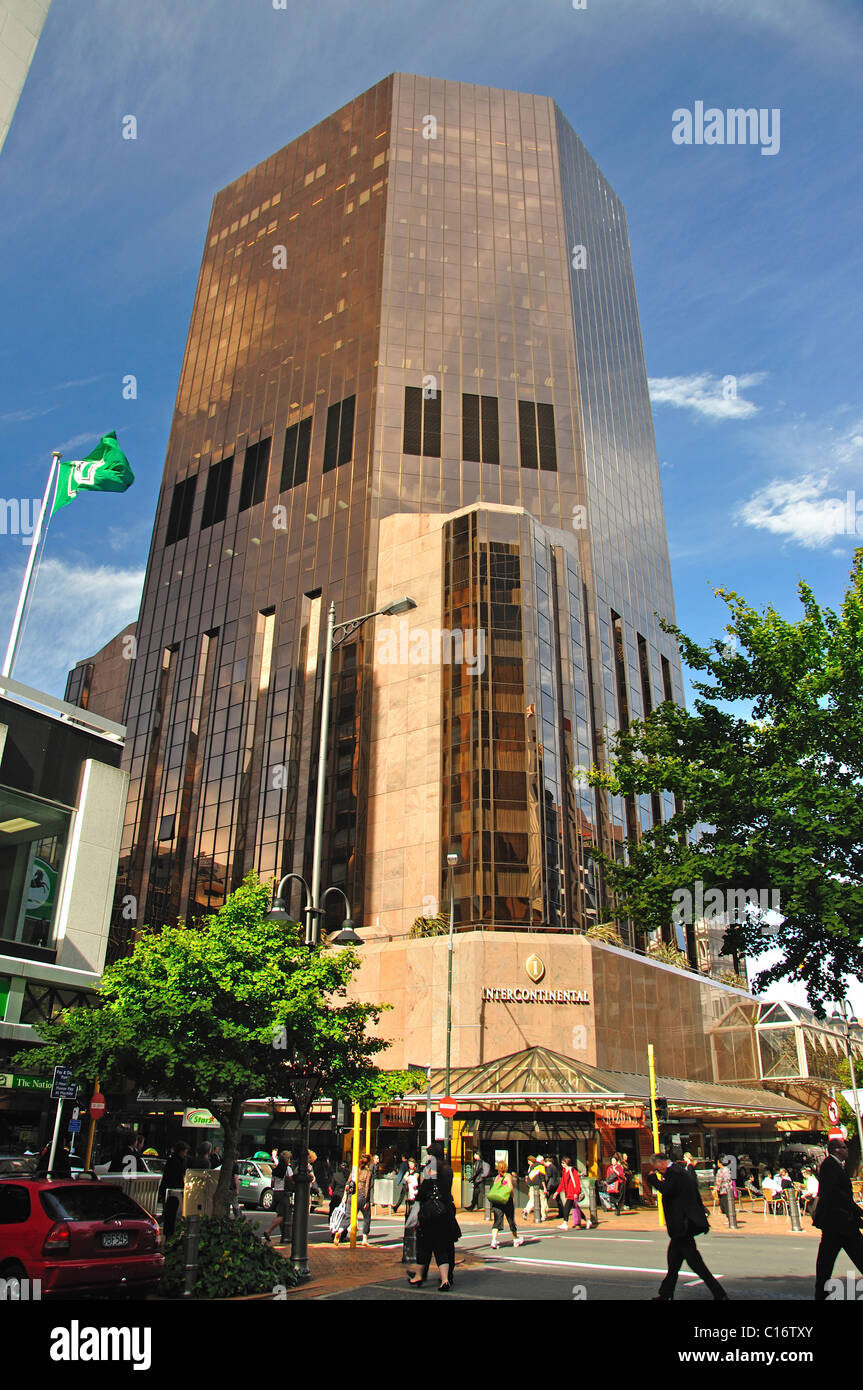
(685, 1218)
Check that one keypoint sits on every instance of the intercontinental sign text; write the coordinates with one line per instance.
(536, 996)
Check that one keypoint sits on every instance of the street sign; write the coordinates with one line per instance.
(833, 1112)
(97, 1105)
(836, 1133)
(447, 1107)
(74, 1126)
(64, 1085)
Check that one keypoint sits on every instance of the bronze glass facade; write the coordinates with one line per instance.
(394, 319)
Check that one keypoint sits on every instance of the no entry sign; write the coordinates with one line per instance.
(97, 1105)
(447, 1107)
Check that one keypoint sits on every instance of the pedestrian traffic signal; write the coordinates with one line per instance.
(661, 1110)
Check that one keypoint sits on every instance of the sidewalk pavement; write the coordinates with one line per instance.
(749, 1219)
(336, 1268)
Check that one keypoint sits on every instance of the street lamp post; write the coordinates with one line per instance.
(452, 860)
(843, 1014)
(299, 1081)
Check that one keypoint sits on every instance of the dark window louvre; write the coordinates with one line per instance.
(490, 433)
(255, 467)
(346, 430)
(527, 434)
(295, 459)
(470, 449)
(547, 444)
(180, 515)
(413, 427)
(331, 440)
(431, 426)
(216, 495)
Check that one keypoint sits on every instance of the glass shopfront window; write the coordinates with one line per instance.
(33, 837)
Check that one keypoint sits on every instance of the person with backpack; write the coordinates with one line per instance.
(537, 1201)
(501, 1196)
(438, 1230)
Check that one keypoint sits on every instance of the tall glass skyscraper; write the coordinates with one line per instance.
(414, 366)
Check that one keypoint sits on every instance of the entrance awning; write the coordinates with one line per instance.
(539, 1079)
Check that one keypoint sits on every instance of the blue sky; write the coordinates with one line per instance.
(747, 265)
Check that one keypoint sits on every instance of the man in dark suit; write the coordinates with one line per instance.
(685, 1218)
(837, 1217)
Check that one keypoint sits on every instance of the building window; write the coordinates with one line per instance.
(666, 678)
(180, 515)
(339, 441)
(479, 429)
(536, 436)
(216, 494)
(32, 849)
(295, 459)
(422, 423)
(256, 465)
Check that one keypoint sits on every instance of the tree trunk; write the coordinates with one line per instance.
(230, 1120)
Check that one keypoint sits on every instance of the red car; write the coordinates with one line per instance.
(77, 1237)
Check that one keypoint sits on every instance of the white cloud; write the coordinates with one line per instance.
(801, 510)
(76, 609)
(716, 397)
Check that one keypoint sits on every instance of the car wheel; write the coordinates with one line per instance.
(267, 1200)
(12, 1269)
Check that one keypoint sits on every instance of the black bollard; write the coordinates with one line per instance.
(794, 1208)
(191, 1241)
(731, 1210)
(593, 1204)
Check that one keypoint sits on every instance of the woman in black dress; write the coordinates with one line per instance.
(438, 1229)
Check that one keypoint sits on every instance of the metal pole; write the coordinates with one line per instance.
(53, 1156)
(32, 560)
(192, 1236)
(448, 1121)
(312, 920)
(794, 1209)
(428, 1109)
(854, 1096)
(655, 1123)
(355, 1174)
(300, 1229)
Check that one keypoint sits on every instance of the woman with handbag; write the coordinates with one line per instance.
(615, 1183)
(410, 1187)
(501, 1196)
(568, 1193)
(437, 1228)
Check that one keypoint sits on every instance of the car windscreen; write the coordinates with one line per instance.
(265, 1170)
(89, 1202)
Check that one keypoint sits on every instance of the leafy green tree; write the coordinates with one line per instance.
(430, 926)
(767, 774)
(214, 1013)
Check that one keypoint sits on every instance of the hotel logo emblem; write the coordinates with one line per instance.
(534, 968)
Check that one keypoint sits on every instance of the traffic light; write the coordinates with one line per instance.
(339, 1116)
(661, 1110)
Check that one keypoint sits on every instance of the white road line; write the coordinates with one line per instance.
(582, 1264)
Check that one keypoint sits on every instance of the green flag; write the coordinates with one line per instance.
(105, 470)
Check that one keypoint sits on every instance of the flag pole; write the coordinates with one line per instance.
(32, 561)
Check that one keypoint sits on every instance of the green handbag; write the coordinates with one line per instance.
(499, 1192)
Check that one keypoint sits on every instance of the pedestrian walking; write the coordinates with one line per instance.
(399, 1194)
(501, 1196)
(173, 1178)
(365, 1194)
(340, 1190)
(283, 1182)
(481, 1175)
(552, 1181)
(685, 1218)
(567, 1193)
(724, 1188)
(411, 1184)
(437, 1229)
(615, 1183)
(837, 1216)
(537, 1201)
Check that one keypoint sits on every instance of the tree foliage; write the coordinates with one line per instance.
(767, 773)
(214, 1013)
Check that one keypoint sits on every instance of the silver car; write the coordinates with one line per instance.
(255, 1181)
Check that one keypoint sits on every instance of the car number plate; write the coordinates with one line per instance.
(115, 1238)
